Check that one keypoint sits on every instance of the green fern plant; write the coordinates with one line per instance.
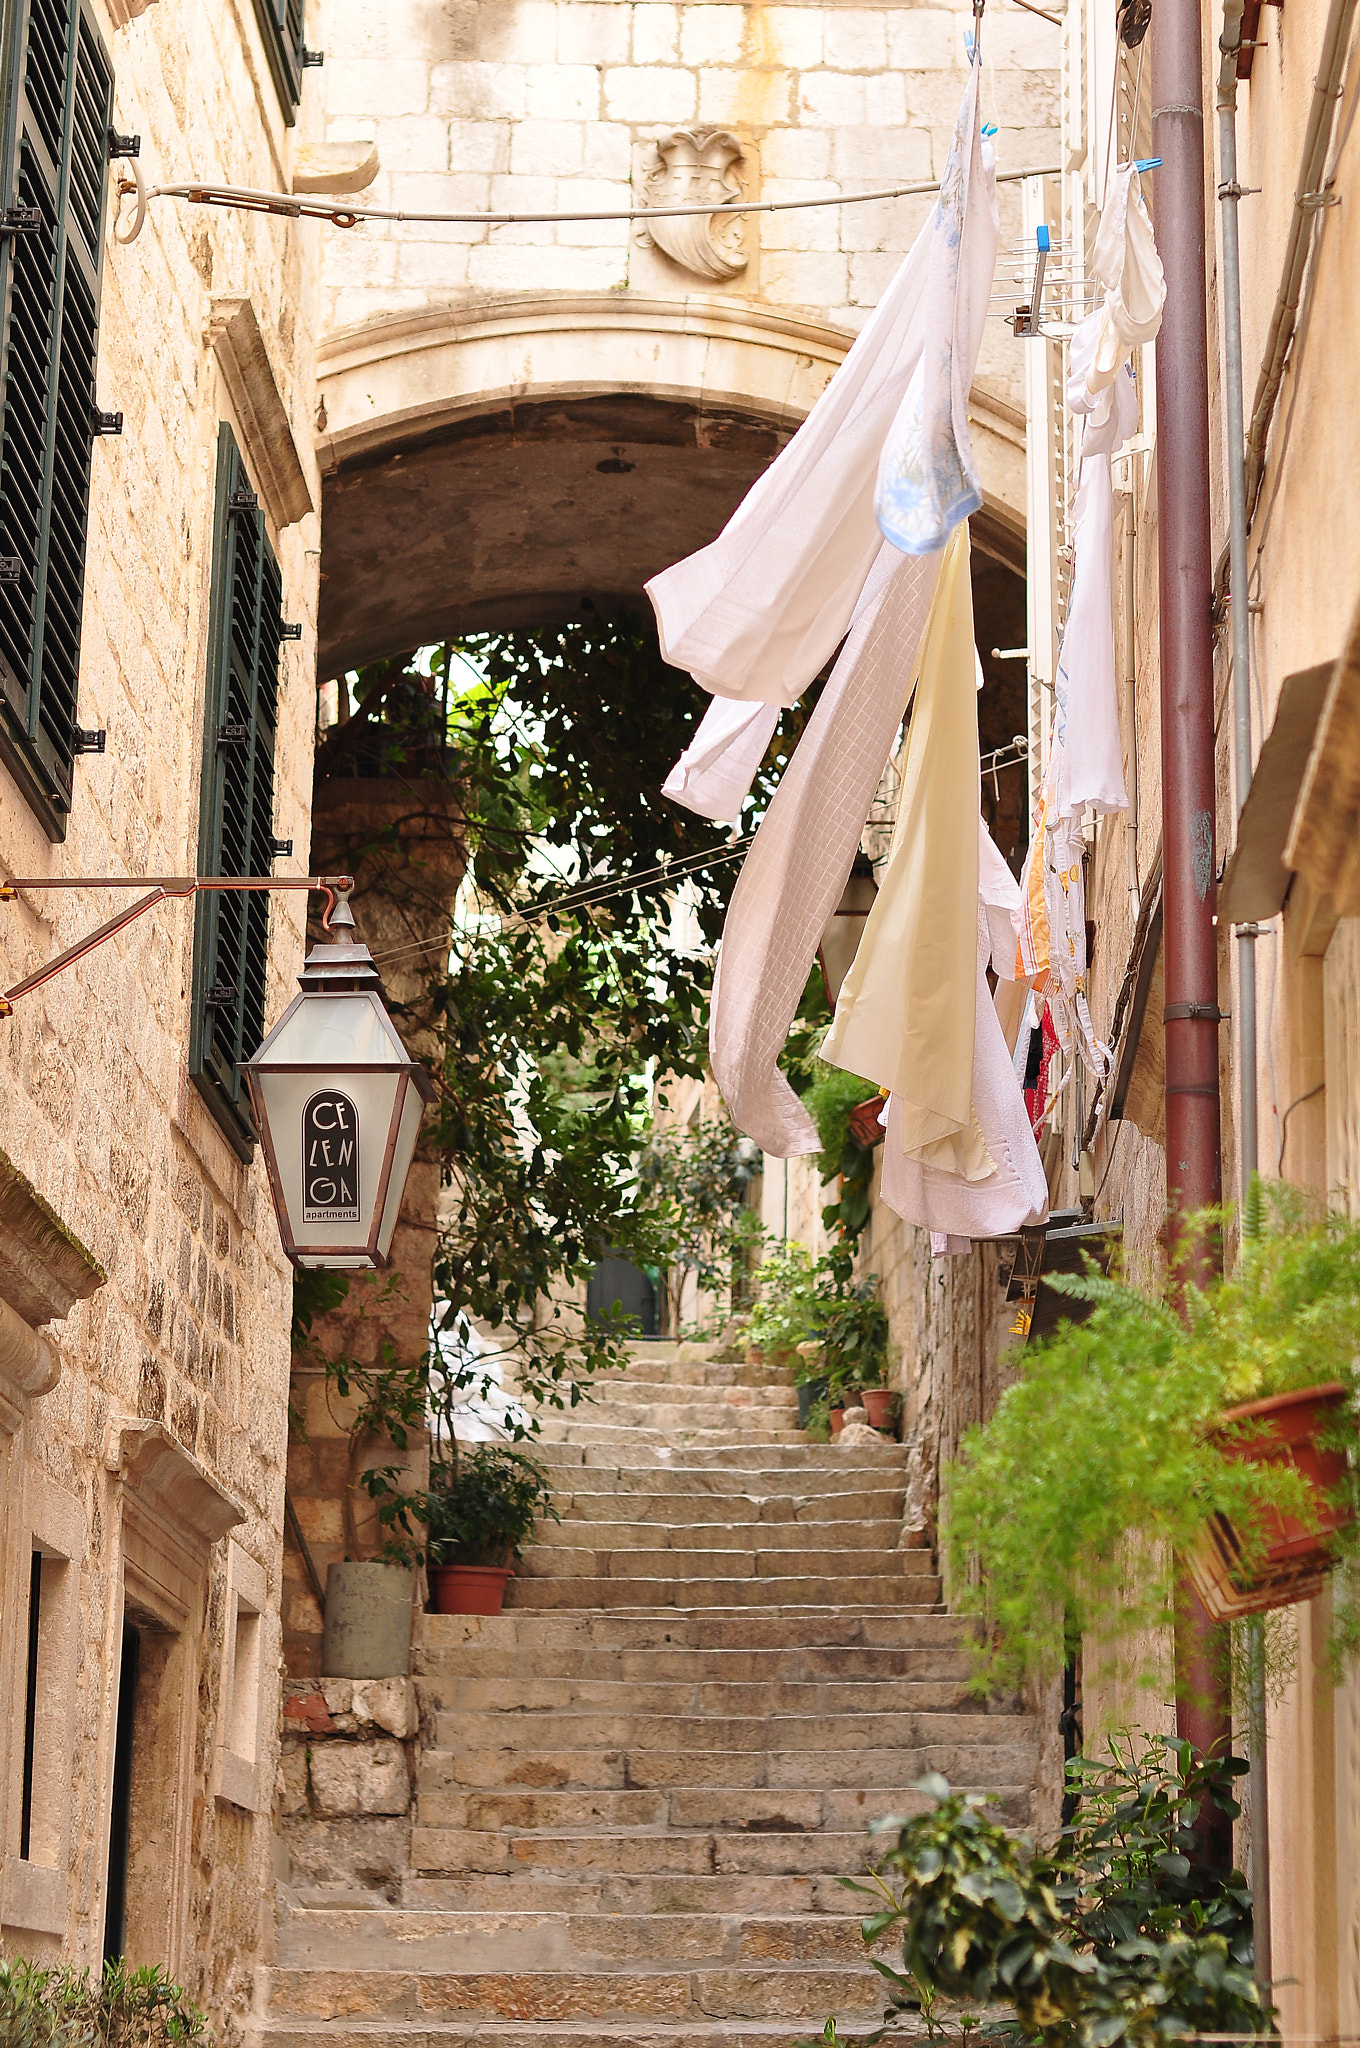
(1065, 1511)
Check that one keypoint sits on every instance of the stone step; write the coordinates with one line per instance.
(674, 1536)
(704, 1430)
(469, 1941)
(869, 1625)
(628, 1392)
(646, 1455)
(486, 2033)
(565, 1560)
(973, 1763)
(564, 1728)
(533, 1697)
(863, 1589)
(688, 1853)
(681, 1508)
(688, 1667)
(725, 1808)
(605, 1891)
(785, 1991)
(686, 1372)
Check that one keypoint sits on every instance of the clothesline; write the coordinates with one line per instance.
(309, 206)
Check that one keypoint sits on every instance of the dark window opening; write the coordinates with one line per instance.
(31, 1703)
(617, 1284)
(236, 804)
(120, 1805)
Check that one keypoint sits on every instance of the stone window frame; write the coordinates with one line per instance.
(250, 1630)
(170, 1514)
(36, 1889)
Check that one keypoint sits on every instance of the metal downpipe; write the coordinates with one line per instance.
(1230, 193)
(1185, 583)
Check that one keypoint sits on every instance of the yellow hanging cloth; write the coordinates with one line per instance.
(906, 1012)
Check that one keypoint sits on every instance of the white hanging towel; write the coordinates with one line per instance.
(795, 870)
(758, 612)
(905, 1013)
(928, 1193)
(927, 478)
(999, 893)
(1129, 272)
(714, 774)
(1087, 756)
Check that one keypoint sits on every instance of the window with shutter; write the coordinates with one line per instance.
(56, 98)
(281, 26)
(236, 805)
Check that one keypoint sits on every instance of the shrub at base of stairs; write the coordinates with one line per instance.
(1114, 1938)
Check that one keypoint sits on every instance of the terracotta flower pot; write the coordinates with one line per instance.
(836, 1417)
(1298, 1557)
(468, 1588)
(865, 1127)
(880, 1405)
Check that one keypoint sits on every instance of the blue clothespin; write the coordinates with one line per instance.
(1042, 239)
(989, 128)
(1148, 163)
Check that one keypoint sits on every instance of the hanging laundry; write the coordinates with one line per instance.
(1086, 747)
(714, 774)
(1085, 764)
(1129, 272)
(759, 612)
(927, 478)
(905, 1013)
(930, 1193)
(797, 866)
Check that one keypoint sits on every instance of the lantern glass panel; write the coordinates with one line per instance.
(407, 1133)
(329, 1131)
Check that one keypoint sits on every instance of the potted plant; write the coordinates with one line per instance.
(784, 1316)
(479, 1514)
(1225, 1438)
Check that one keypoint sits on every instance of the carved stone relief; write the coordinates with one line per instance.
(692, 167)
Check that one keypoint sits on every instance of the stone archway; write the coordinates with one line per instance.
(496, 463)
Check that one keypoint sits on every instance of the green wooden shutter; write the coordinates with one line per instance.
(236, 816)
(282, 29)
(57, 100)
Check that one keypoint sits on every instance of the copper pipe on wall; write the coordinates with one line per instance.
(1185, 583)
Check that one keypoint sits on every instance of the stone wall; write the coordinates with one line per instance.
(168, 1412)
(538, 105)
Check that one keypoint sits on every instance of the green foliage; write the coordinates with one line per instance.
(789, 1286)
(60, 2007)
(1098, 1464)
(830, 1097)
(483, 1508)
(693, 1214)
(800, 1298)
(1115, 1938)
(829, 1101)
(855, 1337)
(550, 1019)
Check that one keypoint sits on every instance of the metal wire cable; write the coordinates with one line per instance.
(315, 206)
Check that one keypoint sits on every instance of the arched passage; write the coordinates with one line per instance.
(497, 465)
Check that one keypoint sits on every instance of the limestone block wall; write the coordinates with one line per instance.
(190, 1332)
(537, 105)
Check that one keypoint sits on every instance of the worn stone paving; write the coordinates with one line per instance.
(639, 1786)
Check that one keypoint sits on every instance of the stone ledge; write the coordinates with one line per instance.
(44, 1268)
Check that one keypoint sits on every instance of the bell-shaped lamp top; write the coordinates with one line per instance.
(338, 1101)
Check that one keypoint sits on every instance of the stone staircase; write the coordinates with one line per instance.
(637, 1787)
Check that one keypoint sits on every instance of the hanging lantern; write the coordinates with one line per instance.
(840, 940)
(338, 1102)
